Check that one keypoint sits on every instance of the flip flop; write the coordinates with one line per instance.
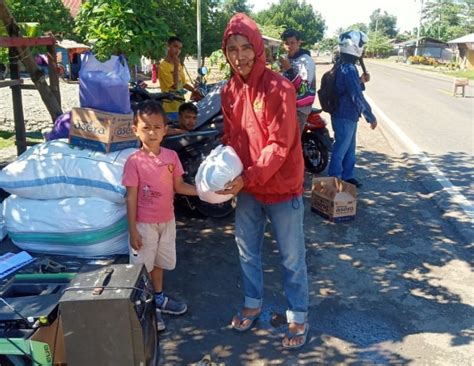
(253, 320)
(291, 336)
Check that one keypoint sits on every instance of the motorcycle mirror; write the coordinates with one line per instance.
(203, 71)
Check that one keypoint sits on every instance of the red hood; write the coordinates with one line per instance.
(245, 26)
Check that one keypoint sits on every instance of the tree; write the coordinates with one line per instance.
(132, 28)
(384, 23)
(13, 30)
(230, 7)
(51, 16)
(328, 44)
(447, 19)
(378, 45)
(359, 26)
(295, 14)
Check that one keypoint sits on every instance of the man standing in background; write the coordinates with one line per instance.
(300, 69)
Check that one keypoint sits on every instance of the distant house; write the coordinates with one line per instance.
(464, 48)
(73, 6)
(428, 47)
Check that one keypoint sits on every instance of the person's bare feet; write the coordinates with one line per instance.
(245, 318)
(293, 340)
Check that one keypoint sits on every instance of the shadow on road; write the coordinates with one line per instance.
(391, 287)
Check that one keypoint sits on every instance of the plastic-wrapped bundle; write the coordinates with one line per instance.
(221, 166)
(78, 226)
(55, 169)
(104, 85)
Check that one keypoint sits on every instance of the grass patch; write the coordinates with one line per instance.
(7, 139)
(461, 74)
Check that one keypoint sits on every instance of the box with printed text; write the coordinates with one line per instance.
(334, 199)
(101, 131)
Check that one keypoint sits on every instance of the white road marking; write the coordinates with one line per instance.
(453, 191)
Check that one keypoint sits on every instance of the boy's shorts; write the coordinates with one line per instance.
(159, 246)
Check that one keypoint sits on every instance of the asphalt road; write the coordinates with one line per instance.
(423, 107)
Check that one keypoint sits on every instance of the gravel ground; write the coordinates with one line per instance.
(35, 113)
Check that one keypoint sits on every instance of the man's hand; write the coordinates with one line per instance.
(285, 64)
(233, 187)
(373, 125)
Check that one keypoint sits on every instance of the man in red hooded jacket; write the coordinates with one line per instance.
(259, 108)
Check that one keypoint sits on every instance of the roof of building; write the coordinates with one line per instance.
(67, 43)
(73, 6)
(412, 42)
(468, 38)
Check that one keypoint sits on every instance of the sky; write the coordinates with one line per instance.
(343, 13)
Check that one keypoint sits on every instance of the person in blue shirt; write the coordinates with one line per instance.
(351, 105)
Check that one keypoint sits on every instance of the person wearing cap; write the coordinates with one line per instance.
(349, 87)
(259, 109)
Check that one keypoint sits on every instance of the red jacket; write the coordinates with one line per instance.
(260, 123)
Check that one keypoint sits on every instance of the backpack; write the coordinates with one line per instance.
(328, 98)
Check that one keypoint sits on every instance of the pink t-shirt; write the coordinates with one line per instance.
(154, 178)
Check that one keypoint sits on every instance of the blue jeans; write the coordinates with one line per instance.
(287, 223)
(343, 156)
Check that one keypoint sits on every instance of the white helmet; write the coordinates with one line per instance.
(353, 42)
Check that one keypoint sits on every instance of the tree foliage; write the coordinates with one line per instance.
(328, 44)
(295, 14)
(359, 26)
(448, 19)
(132, 28)
(378, 45)
(384, 23)
(51, 16)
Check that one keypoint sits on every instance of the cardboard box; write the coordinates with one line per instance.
(334, 199)
(101, 131)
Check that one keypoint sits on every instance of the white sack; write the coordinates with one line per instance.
(78, 226)
(55, 169)
(220, 167)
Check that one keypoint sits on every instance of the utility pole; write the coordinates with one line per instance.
(198, 22)
(419, 29)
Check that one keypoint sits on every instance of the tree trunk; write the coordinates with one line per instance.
(37, 76)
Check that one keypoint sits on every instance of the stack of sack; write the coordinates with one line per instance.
(66, 200)
(220, 167)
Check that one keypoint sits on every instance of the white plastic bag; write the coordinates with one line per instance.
(55, 169)
(221, 166)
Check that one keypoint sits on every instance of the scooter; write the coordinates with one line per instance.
(316, 142)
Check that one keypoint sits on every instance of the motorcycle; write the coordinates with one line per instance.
(139, 93)
(192, 147)
(316, 142)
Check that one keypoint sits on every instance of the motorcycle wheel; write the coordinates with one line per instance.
(216, 211)
(315, 154)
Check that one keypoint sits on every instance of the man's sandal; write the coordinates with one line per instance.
(290, 336)
(251, 321)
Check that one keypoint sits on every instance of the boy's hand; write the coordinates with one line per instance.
(135, 240)
(373, 125)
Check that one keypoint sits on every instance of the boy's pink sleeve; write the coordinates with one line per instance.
(178, 167)
(130, 174)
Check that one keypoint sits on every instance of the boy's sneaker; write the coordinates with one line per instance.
(171, 306)
(160, 323)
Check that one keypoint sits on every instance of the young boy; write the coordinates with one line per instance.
(187, 116)
(171, 75)
(152, 175)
